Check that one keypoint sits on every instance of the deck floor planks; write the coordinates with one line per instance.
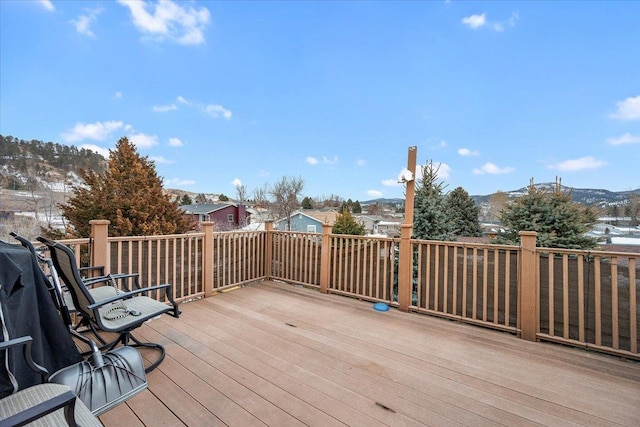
(234, 393)
(573, 390)
(204, 384)
(433, 390)
(171, 390)
(114, 417)
(297, 397)
(361, 376)
(246, 344)
(343, 357)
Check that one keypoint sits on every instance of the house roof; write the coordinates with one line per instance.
(205, 208)
(324, 217)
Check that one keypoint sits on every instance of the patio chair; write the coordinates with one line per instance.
(59, 292)
(121, 313)
(101, 381)
(43, 404)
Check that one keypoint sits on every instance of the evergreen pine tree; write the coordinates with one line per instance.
(346, 224)
(463, 213)
(356, 208)
(307, 203)
(559, 221)
(431, 221)
(130, 196)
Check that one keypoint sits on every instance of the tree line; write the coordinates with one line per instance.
(129, 193)
(40, 159)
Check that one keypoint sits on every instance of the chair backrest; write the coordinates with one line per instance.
(52, 277)
(64, 261)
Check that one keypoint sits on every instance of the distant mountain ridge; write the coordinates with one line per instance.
(33, 165)
(585, 196)
(25, 165)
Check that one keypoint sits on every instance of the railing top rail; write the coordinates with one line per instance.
(80, 241)
(467, 244)
(595, 252)
(158, 237)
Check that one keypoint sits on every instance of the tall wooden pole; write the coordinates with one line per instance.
(405, 256)
(411, 191)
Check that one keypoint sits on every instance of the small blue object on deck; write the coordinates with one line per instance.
(380, 306)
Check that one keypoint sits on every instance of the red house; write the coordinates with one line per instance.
(226, 216)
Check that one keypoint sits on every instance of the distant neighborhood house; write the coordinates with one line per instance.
(225, 216)
(307, 221)
(379, 225)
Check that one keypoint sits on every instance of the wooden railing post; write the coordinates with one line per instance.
(528, 287)
(405, 256)
(268, 251)
(100, 253)
(405, 268)
(207, 253)
(325, 258)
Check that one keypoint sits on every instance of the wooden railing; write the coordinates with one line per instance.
(593, 302)
(175, 259)
(589, 299)
(472, 283)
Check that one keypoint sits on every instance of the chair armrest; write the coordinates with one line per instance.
(125, 295)
(99, 268)
(25, 342)
(66, 400)
(113, 277)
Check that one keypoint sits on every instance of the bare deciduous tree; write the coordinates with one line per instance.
(241, 193)
(261, 196)
(285, 195)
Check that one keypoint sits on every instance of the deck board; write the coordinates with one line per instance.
(282, 355)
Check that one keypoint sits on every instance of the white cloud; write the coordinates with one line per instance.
(236, 182)
(216, 111)
(311, 160)
(99, 150)
(168, 20)
(361, 162)
(466, 152)
(160, 159)
(117, 95)
(628, 110)
(83, 22)
(175, 142)
(141, 140)
(627, 138)
(492, 169)
(475, 21)
(182, 100)
(513, 19)
(328, 161)
(47, 5)
(573, 165)
(164, 108)
(178, 182)
(98, 131)
(479, 21)
(374, 193)
(443, 173)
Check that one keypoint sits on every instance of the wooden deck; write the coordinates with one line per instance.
(279, 355)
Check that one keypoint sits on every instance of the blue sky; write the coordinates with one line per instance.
(226, 93)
